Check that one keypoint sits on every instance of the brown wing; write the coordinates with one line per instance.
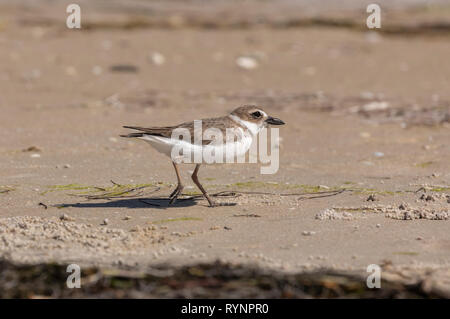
(221, 123)
(165, 131)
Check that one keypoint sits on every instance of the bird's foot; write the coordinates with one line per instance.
(211, 202)
(174, 195)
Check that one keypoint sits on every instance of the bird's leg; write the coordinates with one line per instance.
(179, 189)
(196, 181)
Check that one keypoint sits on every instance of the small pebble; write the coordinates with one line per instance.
(247, 62)
(136, 229)
(157, 58)
(97, 70)
(66, 217)
(32, 149)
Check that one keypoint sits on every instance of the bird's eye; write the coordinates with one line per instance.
(256, 114)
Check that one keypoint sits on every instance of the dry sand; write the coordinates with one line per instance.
(366, 113)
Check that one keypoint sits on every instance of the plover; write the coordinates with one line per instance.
(244, 123)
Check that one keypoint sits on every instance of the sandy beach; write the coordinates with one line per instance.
(364, 173)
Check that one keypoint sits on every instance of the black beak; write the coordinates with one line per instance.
(274, 121)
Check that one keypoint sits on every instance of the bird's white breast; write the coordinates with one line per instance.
(229, 150)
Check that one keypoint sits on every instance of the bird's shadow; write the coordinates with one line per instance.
(134, 203)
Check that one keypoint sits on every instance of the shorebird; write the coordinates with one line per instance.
(244, 124)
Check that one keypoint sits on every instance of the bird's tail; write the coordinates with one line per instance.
(133, 135)
(156, 131)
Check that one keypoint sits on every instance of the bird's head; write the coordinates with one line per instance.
(254, 118)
